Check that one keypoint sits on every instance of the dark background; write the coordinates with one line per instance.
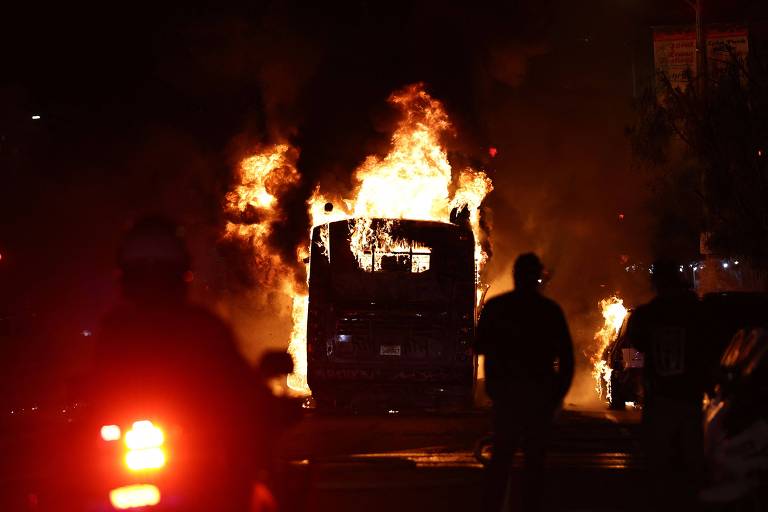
(150, 109)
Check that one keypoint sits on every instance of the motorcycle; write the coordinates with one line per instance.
(147, 452)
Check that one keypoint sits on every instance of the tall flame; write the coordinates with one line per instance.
(414, 180)
(614, 312)
(252, 207)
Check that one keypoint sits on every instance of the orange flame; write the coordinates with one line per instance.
(254, 203)
(413, 181)
(614, 312)
(253, 207)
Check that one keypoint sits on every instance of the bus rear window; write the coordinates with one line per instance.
(414, 260)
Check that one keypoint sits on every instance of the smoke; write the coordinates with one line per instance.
(152, 128)
(555, 112)
(564, 183)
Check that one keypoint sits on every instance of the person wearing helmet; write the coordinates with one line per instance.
(668, 330)
(528, 369)
(158, 354)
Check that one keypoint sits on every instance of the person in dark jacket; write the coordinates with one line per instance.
(668, 330)
(158, 354)
(528, 370)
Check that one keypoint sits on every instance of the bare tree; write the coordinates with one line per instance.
(720, 139)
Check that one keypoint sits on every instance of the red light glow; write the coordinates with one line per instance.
(110, 432)
(144, 441)
(144, 434)
(134, 496)
(148, 458)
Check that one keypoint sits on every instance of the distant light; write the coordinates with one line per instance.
(87, 333)
(759, 152)
(35, 117)
(736, 262)
(621, 216)
(493, 151)
(725, 264)
(541, 281)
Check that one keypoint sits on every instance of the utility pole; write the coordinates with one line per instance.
(709, 277)
(701, 49)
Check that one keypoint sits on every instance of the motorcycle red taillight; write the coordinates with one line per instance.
(134, 496)
(144, 444)
(111, 433)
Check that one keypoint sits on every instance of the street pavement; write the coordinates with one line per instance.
(422, 462)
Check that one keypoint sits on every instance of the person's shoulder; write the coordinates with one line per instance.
(499, 301)
(643, 313)
(679, 302)
(640, 309)
(550, 305)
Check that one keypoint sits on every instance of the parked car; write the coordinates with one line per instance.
(626, 364)
(736, 426)
(725, 314)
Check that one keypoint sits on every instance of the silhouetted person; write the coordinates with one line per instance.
(668, 330)
(159, 355)
(528, 370)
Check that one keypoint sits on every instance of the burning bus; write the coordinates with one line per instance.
(393, 319)
(394, 262)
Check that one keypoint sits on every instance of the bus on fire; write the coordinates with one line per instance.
(392, 323)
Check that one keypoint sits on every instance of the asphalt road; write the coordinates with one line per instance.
(419, 462)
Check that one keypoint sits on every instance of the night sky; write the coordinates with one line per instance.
(150, 110)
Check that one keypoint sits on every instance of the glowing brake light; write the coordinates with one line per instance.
(134, 496)
(144, 434)
(147, 458)
(110, 433)
(144, 442)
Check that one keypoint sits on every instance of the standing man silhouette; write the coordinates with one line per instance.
(669, 330)
(528, 369)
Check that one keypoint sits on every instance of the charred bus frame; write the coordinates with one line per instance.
(397, 329)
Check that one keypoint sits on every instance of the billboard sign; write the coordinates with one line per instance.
(674, 51)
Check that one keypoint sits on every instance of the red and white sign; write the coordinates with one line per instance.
(674, 52)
